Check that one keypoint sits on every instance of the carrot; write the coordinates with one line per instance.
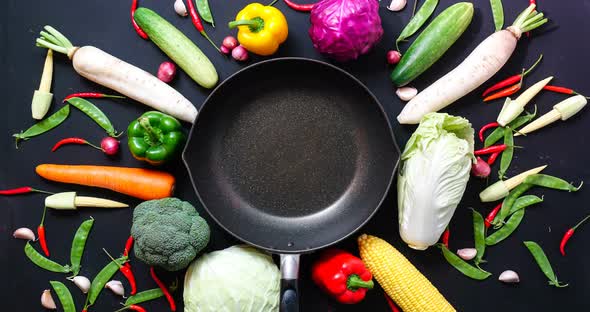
(141, 183)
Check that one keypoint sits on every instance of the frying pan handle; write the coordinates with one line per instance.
(289, 288)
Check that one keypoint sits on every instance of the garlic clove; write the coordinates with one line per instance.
(116, 287)
(509, 277)
(180, 8)
(467, 253)
(82, 282)
(24, 233)
(406, 93)
(47, 300)
(397, 5)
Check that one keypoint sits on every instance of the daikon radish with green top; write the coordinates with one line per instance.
(483, 63)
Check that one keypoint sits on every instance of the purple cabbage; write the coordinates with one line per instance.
(345, 29)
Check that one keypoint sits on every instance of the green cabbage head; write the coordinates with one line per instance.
(237, 279)
(433, 175)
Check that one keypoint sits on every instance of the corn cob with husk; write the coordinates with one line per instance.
(411, 290)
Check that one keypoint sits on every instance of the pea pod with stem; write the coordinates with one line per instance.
(543, 263)
(498, 133)
(551, 182)
(479, 231)
(506, 230)
(507, 154)
(44, 125)
(144, 296)
(78, 245)
(94, 113)
(101, 279)
(44, 263)
(417, 20)
(64, 295)
(498, 14)
(205, 11)
(462, 266)
(509, 202)
(525, 201)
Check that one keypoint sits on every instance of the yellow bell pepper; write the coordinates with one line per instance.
(261, 28)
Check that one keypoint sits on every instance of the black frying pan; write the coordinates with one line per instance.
(291, 155)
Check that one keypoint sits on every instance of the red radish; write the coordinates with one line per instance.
(483, 63)
(230, 42)
(393, 57)
(480, 169)
(167, 71)
(109, 146)
(240, 53)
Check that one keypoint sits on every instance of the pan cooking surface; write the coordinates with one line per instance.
(291, 155)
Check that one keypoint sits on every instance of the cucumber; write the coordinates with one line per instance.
(178, 47)
(433, 42)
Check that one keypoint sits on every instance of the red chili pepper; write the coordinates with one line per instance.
(138, 29)
(486, 127)
(22, 190)
(91, 95)
(198, 24)
(511, 80)
(128, 246)
(300, 7)
(132, 307)
(490, 150)
(492, 215)
(504, 93)
(493, 158)
(342, 276)
(79, 141)
(164, 289)
(41, 234)
(445, 237)
(126, 272)
(569, 234)
(391, 304)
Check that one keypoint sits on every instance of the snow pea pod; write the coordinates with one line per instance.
(498, 133)
(479, 236)
(417, 21)
(507, 154)
(508, 228)
(94, 113)
(551, 182)
(101, 279)
(543, 263)
(498, 14)
(462, 266)
(43, 262)
(205, 11)
(44, 125)
(78, 245)
(146, 295)
(525, 201)
(509, 202)
(64, 296)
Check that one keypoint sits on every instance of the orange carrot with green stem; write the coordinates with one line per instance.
(137, 182)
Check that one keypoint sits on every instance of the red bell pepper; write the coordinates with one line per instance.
(342, 275)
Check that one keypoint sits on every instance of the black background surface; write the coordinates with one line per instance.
(105, 24)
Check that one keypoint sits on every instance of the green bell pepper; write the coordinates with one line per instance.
(155, 137)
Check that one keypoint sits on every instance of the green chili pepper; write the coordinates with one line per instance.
(498, 14)
(479, 236)
(94, 113)
(524, 201)
(508, 203)
(146, 295)
(205, 11)
(44, 125)
(508, 228)
(462, 266)
(498, 133)
(417, 21)
(551, 182)
(507, 154)
(78, 245)
(543, 263)
(64, 296)
(101, 279)
(43, 262)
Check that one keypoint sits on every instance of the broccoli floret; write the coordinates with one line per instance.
(168, 233)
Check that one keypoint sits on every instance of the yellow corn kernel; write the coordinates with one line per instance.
(411, 290)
